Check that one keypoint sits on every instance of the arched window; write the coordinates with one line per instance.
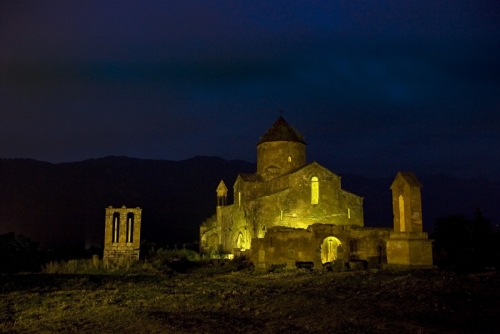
(289, 159)
(130, 227)
(116, 228)
(401, 213)
(314, 190)
(239, 241)
(353, 245)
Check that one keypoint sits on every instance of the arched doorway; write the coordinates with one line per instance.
(240, 241)
(329, 249)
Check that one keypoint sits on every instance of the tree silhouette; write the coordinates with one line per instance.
(18, 253)
(463, 243)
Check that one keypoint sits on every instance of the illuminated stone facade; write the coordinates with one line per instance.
(292, 213)
(319, 245)
(285, 191)
(122, 232)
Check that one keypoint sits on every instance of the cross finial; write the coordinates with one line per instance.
(281, 111)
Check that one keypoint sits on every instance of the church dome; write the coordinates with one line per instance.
(280, 149)
(282, 131)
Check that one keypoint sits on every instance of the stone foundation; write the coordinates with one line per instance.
(320, 245)
(409, 249)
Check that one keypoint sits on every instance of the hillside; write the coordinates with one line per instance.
(64, 203)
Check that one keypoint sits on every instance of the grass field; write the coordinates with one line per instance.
(376, 301)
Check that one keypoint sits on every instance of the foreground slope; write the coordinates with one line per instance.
(431, 301)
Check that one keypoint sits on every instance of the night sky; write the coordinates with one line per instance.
(374, 86)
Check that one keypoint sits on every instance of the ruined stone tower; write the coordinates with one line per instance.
(122, 233)
(406, 203)
(408, 245)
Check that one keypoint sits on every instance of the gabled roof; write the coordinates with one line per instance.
(295, 170)
(282, 131)
(251, 177)
(221, 188)
(409, 178)
(258, 178)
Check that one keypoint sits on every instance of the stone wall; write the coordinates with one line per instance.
(319, 244)
(284, 201)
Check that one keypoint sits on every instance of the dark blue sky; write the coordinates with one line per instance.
(375, 87)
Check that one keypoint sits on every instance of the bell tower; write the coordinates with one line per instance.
(221, 194)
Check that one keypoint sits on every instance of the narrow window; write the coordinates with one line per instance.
(281, 215)
(262, 255)
(289, 159)
(314, 190)
(349, 213)
(116, 227)
(353, 244)
(401, 213)
(130, 227)
(239, 198)
(239, 241)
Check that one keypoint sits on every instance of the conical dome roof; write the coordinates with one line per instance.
(282, 131)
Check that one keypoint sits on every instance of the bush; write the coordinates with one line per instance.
(95, 266)
(463, 243)
(18, 253)
(179, 260)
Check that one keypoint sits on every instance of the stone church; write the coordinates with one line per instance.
(290, 212)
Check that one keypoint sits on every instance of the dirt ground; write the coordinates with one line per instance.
(374, 301)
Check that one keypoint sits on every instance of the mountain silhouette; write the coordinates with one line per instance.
(64, 204)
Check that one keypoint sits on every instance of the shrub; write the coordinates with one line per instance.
(180, 260)
(95, 266)
(18, 253)
(463, 243)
